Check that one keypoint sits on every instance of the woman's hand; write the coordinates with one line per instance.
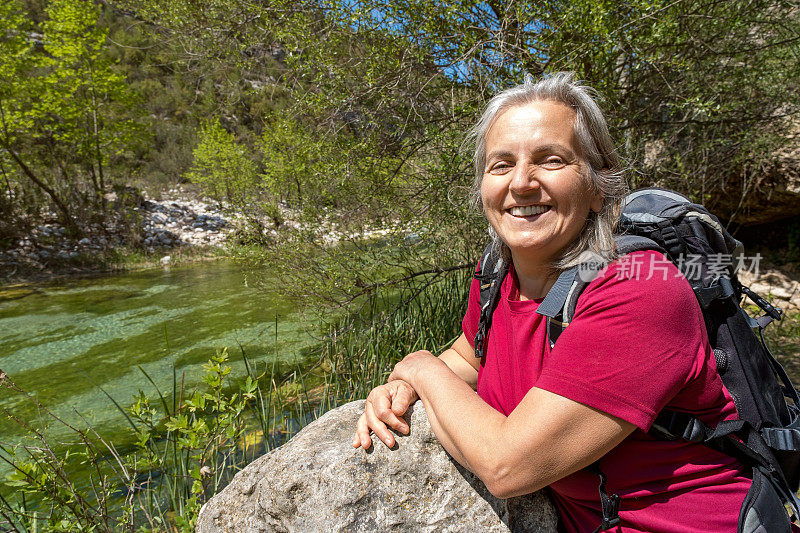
(415, 366)
(385, 406)
(388, 403)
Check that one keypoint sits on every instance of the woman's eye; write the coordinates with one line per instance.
(500, 166)
(554, 162)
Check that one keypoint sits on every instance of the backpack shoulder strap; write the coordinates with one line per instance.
(490, 274)
(627, 244)
(556, 304)
(560, 303)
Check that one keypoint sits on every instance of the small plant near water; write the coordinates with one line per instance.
(186, 448)
(197, 454)
(49, 495)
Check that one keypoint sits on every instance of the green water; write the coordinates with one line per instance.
(64, 342)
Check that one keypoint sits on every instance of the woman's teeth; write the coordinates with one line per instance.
(528, 210)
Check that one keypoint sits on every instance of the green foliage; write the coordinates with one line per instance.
(383, 93)
(223, 168)
(184, 450)
(195, 441)
(313, 166)
(63, 108)
(16, 63)
(82, 96)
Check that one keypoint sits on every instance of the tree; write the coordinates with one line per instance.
(63, 108)
(82, 94)
(18, 85)
(222, 167)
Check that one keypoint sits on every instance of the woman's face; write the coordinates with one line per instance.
(535, 189)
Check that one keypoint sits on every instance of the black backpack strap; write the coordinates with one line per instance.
(787, 387)
(674, 425)
(775, 313)
(609, 503)
(627, 243)
(784, 439)
(736, 438)
(490, 274)
(673, 244)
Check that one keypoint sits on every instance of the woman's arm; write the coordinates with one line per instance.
(460, 358)
(546, 438)
(387, 403)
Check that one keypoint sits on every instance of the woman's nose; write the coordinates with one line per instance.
(524, 179)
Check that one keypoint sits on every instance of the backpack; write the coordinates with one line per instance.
(766, 436)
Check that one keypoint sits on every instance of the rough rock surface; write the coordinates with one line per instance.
(319, 482)
(776, 194)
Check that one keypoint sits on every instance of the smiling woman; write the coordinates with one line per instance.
(550, 185)
(535, 189)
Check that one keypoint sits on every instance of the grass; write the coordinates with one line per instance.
(783, 338)
(362, 353)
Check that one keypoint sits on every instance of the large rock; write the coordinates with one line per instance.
(319, 482)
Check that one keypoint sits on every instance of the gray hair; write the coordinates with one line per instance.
(605, 172)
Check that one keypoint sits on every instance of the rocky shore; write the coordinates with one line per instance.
(176, 219)
(181, 222)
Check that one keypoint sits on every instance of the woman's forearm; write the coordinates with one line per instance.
(546, 438)
(460, 367)
(468, 428)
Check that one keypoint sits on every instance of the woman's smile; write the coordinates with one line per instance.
(528, 211)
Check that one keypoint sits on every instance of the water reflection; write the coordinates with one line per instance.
(64, 341)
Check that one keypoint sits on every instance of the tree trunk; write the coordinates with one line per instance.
(66, 216)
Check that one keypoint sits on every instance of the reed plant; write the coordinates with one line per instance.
(363, 349)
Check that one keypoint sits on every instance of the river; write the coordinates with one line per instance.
(67, 342)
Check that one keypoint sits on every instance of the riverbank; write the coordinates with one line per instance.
(196, 424)
(177, 227)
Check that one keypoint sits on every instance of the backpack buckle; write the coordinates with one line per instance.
(771, 310)
(720, 289)
(609, 503)
(674, 425)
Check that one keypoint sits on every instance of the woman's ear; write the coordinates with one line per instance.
(597, 202)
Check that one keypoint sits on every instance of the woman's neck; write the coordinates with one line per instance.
(535, 277)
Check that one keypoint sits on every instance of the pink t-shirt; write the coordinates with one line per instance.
(636, 345)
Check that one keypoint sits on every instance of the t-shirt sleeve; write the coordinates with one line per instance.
(634, 342)
(469, 325)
